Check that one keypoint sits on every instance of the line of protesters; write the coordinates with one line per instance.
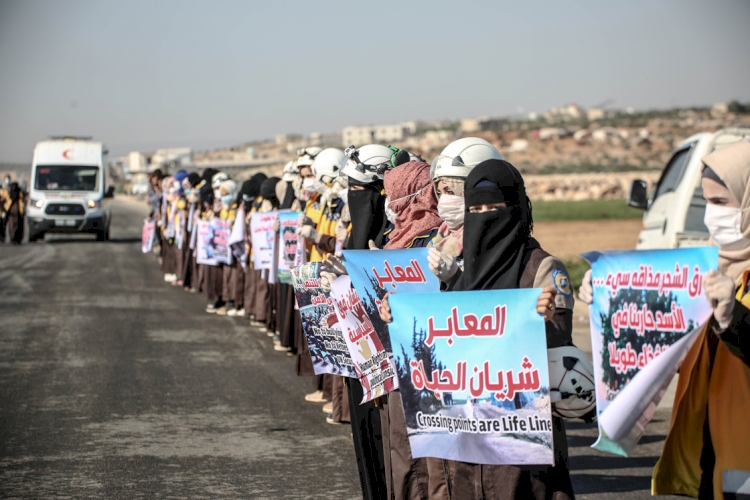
(470, 207)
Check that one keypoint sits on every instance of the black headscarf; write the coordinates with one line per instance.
(194, 179)
(495, 242)
(250, 189)
(208, 174)
(206, 195)
(268, 191)
(367, 210)
(288, 197)
(14, 192)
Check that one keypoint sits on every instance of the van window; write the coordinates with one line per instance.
(67, 178)
(673, 172)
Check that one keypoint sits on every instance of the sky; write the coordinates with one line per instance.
(140, 75)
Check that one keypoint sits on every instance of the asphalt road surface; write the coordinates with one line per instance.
(115, 385)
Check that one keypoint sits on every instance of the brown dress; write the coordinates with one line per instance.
(431, 478)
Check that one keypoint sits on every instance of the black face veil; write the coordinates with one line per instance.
(367, 210)
(495, 241)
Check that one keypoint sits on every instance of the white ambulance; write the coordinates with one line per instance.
(70, 188)
(675, 207)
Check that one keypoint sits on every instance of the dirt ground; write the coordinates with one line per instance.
(568, 238)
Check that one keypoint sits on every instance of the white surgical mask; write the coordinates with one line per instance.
(724, 225)
(451, 210)
(389, 214)
(311, 184)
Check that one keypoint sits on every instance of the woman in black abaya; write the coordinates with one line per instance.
(499, 253)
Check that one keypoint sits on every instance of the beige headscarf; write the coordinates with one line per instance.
(732, 165)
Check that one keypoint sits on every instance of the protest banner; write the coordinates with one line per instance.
(375, 273)
(147, 236)
(291, 245)
(320, 324)
(263, 239)
(473, 375)
(649, 307)
(237, 238)
(373, 363)
(213, 242)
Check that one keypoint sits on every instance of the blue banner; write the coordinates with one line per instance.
(377, 272)
(473, 375)
(649, 306)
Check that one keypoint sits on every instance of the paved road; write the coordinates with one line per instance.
(115, 385)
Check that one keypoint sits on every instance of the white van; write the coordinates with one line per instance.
(70, 190)
(675, 208)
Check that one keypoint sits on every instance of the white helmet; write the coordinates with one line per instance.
(461, 156)
(218, 178)
(228, 187)
(327, 164)
(571, 383)
(290, 172)
(307, 156)
(368, 163)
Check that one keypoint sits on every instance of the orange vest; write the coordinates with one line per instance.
(725, 392)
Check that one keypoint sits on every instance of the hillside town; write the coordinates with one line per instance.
(596, 149)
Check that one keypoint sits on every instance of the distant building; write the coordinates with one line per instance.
(719, 109)
(360, 136)
(282, 139)
(170, 159)
(563, 114)
(594, 114)
(137, 162)
(547, 133)
(324, 140)
(473, 125)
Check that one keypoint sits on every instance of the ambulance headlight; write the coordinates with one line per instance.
(94, 203)
(36, 203)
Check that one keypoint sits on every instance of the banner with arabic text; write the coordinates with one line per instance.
(213, 242)
(291, 245)
(320, 324)
(649, 306)
(263, 240)
(377, 272)
(147, 236)
(373, 363)
(473, 376)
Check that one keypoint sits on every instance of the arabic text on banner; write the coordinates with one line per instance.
(147, 236)
(375, 273)
(264, 240)
(291, 250)
(320, 324)
(213, 242)
(649, 306)
(473, 376)
(374, 364)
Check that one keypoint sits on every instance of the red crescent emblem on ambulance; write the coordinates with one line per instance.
(67, 153)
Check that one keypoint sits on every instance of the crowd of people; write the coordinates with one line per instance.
(470, 207)
(12, 211)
